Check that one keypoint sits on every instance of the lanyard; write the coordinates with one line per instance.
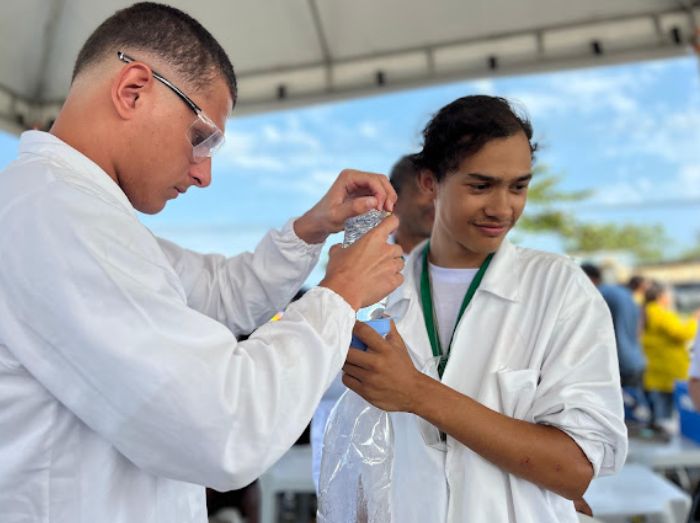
(429, 314)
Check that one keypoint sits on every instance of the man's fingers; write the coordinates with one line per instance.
(357, 206)
(378, 185)
(393, 333)
(359, 358)
(374, 341)
(356, 372)
(334, 249)
(390, 192)
(385, 228)
(352, 383)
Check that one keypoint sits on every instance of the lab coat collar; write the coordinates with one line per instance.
(502, 278)
(503, 275)
(46, 144)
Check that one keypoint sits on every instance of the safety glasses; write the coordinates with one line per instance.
(206, 138)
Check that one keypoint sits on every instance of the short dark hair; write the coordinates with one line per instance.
(592, 271)
(463, 127)
(402, 172)
(167, 32)
(635, 282)
(654, 291)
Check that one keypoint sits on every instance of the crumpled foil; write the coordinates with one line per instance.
(357, 226)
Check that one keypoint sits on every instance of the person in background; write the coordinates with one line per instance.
(694, 381)
(414, 207)
(638, 286)
(123, 389)
(627, 323)
(666, 337)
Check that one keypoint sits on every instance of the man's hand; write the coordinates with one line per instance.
(384, 375)
(352, 193)
(584, 508)
(369, 269)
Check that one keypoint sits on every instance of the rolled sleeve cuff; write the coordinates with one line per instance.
(288, 238)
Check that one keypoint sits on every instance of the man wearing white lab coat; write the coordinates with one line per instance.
(526, 407)
(123, 390)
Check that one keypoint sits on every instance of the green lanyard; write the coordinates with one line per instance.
(429, 314)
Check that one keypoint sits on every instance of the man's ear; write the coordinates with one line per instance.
(427, 182)
(132, 82)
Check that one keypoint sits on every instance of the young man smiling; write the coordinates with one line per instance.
(524, 407)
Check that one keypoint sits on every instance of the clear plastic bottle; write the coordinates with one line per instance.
(358, 447)
(355, 228)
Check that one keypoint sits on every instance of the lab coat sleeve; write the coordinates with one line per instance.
(579, 390)
(245, 291)
(92, 309)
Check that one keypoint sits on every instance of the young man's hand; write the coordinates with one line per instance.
(384, 375)
(352, 193)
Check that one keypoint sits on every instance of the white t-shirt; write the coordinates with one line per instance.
(448, 288)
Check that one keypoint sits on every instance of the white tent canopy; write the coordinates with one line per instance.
(291, 52)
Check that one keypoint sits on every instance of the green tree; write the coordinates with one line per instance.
(547, 214)
(544, 198)
(647, 242)
(694, 252)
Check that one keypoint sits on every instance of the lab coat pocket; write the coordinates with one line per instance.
(517, 390)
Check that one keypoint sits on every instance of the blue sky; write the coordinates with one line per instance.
(631, 133)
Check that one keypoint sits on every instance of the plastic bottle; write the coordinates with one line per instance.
(373, 315)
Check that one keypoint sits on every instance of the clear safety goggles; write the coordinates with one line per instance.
(206, 138)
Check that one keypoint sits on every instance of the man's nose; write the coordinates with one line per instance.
(499, 206)
(200, 173)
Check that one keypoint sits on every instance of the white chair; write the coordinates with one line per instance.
(292, 473)
(582, 518)
(637, 491)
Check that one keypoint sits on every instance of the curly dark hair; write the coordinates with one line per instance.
(163, 30)
(463, 127)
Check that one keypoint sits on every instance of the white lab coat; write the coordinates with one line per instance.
(122, 386)
(536, 344)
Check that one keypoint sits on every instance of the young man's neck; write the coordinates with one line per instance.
(451, 255)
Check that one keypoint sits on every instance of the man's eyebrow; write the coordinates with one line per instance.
(487, 178)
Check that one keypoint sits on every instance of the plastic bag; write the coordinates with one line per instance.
(358, 449)
(358, 454)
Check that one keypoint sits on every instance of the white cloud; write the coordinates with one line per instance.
(539, 105)
(623, 192)
(241, 151)
(270, 148)
(369, 130)
(689, 179)
(584, 92)
(483, 86)
(671, 136)
(680, 184)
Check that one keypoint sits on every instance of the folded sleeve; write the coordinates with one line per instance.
(579, 390)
